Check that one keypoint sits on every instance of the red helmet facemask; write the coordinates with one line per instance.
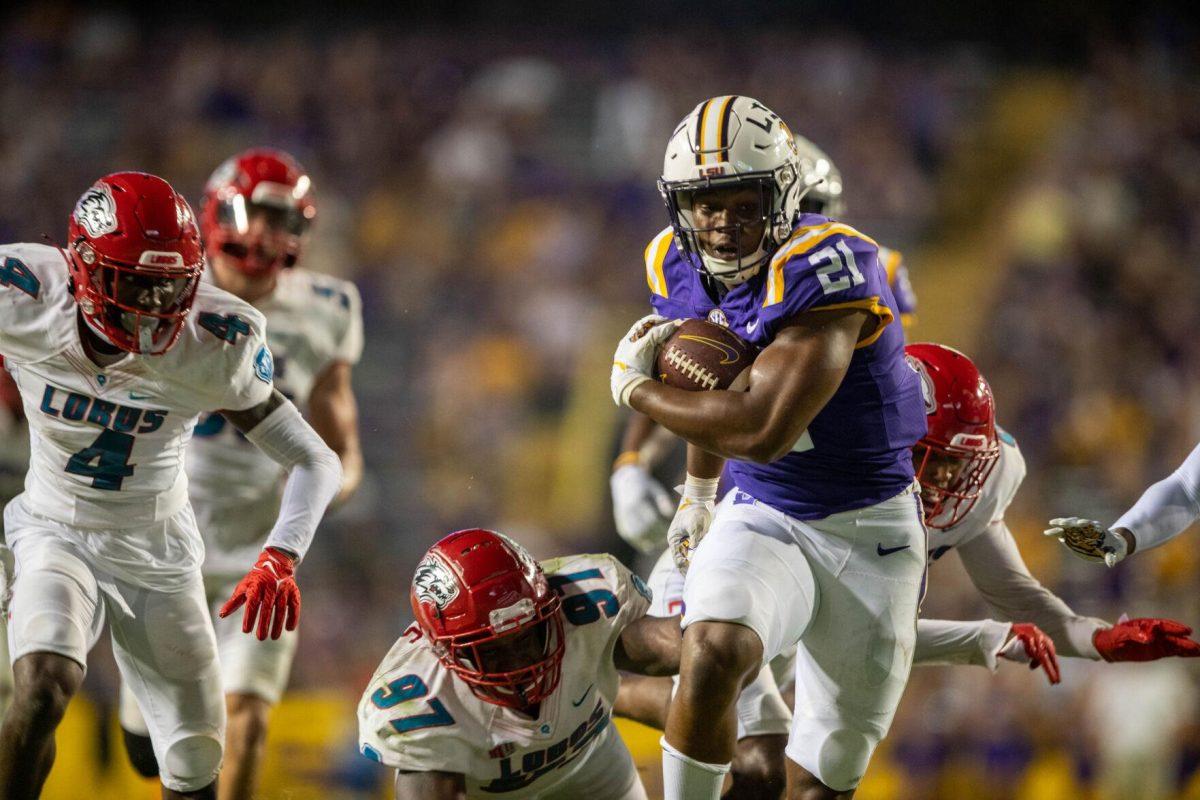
(491, 617)
(257, 208)
(954, 459)
(135, 259)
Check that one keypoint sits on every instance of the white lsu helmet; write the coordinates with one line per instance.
(733, 141)
(823, 179)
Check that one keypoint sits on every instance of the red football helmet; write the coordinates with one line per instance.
(135, 259)
(956, 456)
(257, 207)
(491, 617)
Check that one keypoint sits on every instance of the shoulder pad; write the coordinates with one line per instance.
(336, 292)
(598, 586)
(656, 255)
(803, 242)
(36, 306)
(404, 721)
(224, 351)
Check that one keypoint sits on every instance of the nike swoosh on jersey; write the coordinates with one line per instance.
(887, 551)
(579, 702)
(136, 396)
(751, 327)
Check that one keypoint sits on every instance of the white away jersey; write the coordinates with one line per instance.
(313, 321)
(107, 443)
(417, 717)
(998, 493)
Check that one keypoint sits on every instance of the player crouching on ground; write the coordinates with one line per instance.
(504, 685)
(114, 364)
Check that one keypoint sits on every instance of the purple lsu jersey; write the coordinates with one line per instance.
(856, 452)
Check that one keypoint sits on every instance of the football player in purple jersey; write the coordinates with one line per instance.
(820, 543)
(642, 507)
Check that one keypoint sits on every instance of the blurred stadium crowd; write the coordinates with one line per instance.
(491, 198)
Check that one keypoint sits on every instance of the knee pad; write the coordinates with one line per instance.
(141, 753)
(843, 759)
(192, 763)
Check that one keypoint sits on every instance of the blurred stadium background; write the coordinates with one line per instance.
(490, 186)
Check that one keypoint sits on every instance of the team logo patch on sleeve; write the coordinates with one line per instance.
(434, 583)
(96, 211)
(264, 365)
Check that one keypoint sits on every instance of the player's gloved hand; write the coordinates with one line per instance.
(270, 595)
(692, 518)
(633, 363)
(1089, 540)
(1029, 645)
(641, 506)
(1145, 640)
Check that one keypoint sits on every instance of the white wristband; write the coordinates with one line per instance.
(703, 490)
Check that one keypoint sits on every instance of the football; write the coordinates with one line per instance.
(702, 356)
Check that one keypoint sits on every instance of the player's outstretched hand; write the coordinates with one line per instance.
(633, 362)
(1029, 645)
(1089, 540)
(270, 595)
(1145, 640)
(642, 507)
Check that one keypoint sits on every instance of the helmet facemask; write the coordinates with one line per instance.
(260, 235)
(952, 475)
(139, 308)
(773, 192)
(515, 661)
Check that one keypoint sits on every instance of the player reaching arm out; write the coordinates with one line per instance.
(269, 590)
(970, 470)
(1163, 512)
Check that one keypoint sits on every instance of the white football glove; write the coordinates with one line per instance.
(692, 518)
(1089, 540)
(633, 363)
(642, 507)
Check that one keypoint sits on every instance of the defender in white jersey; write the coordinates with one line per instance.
(504, 685)
(257, 211)
(970, 470)
(116, 348)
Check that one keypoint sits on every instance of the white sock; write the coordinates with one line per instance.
(685, 778)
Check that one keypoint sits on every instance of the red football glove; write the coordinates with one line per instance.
(1145, 640)
(269, 593)
(1029, 643)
